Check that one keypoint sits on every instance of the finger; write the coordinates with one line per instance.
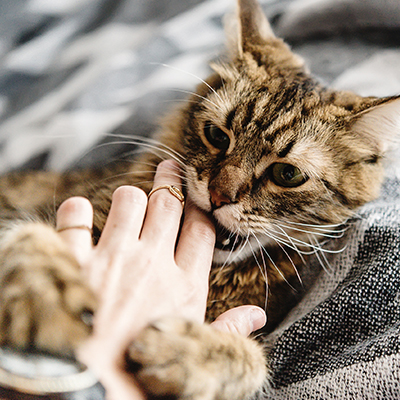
(125, 219)
(242, 320)
(74, 224)
(196, 242)
(164, 209)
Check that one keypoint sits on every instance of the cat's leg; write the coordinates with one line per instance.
(173, 358)
(44, 303)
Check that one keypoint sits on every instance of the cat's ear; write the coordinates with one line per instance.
(250, 26)
(380, 124)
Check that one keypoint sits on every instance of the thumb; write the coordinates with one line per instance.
(242, 320)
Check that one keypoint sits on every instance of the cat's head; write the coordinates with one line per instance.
(270, 151)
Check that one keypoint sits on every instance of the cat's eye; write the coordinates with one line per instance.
(287, 175)
(216, 137)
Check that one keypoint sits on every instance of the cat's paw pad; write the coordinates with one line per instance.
(44, 302)
(183, 359)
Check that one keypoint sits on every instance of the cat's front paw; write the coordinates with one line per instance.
(44, 302)
(186, 360)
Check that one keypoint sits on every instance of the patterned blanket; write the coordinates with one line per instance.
(78, 76)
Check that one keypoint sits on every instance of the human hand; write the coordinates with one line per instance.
(139, 273)
(139, 269)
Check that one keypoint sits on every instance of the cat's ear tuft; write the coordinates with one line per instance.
(380, 124)
(250, 26)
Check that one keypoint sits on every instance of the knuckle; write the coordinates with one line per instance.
(163, 200)
(223, 323)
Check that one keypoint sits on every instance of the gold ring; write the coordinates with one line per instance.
(84, 227)
(175, 191)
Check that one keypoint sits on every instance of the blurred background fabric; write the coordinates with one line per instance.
(75, 72)
(79, 77)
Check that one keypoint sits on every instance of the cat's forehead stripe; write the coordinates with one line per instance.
(229, 119)
(285, 151)
(244, 112)
(278, 118)
(248, 112)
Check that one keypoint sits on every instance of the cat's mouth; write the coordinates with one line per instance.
(227, 240)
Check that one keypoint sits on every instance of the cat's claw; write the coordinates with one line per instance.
(185, 360)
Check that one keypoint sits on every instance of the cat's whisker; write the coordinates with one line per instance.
(197, 95)
(291, 262)
(141, 142)
(327, 227)
(332, 234)
(294, 247)
(181, 176)
(282, 232)
(132, 173)
(228, 257)
(272, 234)
(302, 243)
(239, 252)
(288, 256)
(323, 261)
(143, 139)
(177, 174)
(149, 147)
(184, 101)
(192, 75)
(152, 165)
(357, 216)
(289, 242)
(264, 250)
(264, 270)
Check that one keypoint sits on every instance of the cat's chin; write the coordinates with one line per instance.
(234, 247)
(222, 256)
(237, 248)
(232, 256)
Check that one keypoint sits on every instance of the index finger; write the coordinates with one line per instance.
(196, 243)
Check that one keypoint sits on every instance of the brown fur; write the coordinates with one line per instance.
(268, 111)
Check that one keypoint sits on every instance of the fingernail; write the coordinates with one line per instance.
(258, 318)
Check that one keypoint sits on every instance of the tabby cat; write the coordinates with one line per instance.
(277, 160)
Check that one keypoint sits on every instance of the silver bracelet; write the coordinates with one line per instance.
(41, 374)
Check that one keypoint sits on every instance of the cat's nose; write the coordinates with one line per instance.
(217, 198)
